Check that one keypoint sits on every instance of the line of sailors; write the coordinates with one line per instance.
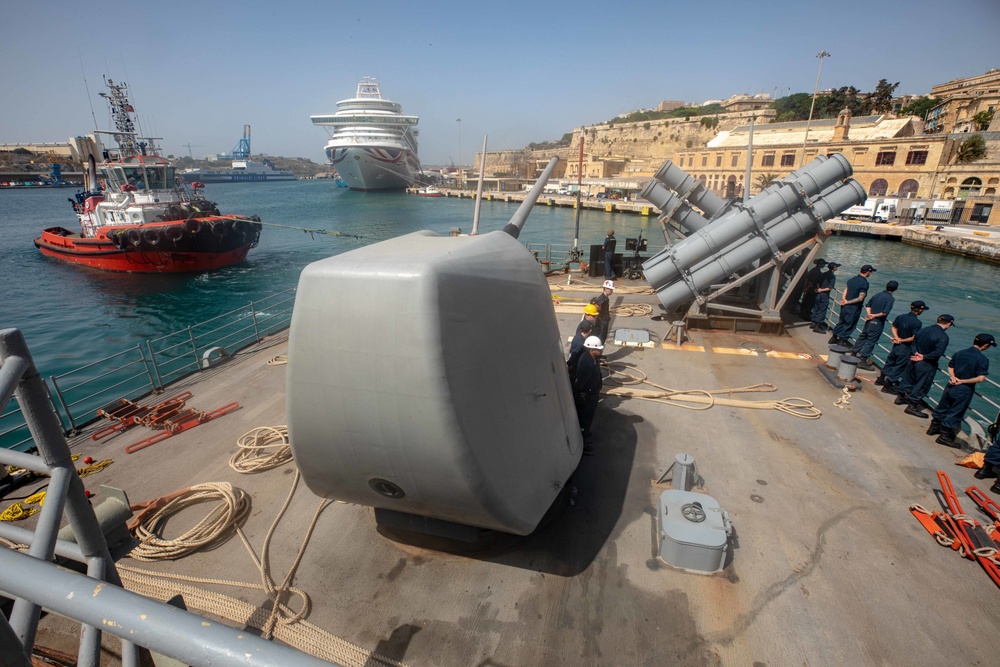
(916, 352)
(583, 364)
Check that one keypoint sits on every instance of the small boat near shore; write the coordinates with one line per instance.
(429, 192)
(244, 168)
(137, 215)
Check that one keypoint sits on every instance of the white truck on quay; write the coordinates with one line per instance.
(875, 210)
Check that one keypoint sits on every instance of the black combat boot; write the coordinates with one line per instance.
(986, 472)
(889, 387)
(935, 427)
(996, 487)
(900, 399)
(866, 365)
(915, 410)
(947, 438)
(880, 381)
(834, 340)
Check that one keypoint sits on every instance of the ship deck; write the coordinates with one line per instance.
(828, 566)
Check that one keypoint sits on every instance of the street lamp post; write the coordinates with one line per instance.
(821, 55)
(461, 180)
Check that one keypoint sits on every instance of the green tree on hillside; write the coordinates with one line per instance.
(828, 105)
(880, 100)
(792, 107)
(920, 107)
(843, 97)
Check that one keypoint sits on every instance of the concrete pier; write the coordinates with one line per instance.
(977, 241)
(967, 240)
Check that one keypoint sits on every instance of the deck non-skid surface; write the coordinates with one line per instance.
(828, 565)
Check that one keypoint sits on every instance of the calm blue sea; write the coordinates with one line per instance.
(71, 315)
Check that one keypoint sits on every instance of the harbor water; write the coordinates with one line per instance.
(72, 315)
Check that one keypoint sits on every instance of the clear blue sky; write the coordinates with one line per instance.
(519, 71)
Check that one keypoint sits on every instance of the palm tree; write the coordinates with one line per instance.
(765, 180)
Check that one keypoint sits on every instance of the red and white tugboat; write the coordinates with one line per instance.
(136, 214)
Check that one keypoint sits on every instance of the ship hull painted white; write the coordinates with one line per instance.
(375, 168)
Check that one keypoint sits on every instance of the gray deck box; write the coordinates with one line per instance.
(693, 531)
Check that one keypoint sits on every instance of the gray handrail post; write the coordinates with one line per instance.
(194, 346)
(156, 369)
(65, 494)
(62, 402)
(253, 314)
(142, 355)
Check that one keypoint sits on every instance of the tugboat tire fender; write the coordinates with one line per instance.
(192, 225)
(133, 236)
(174, 212)
(218, 229)
(152, 236)
(174, 233)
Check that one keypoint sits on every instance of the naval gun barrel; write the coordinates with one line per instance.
(521, 214)
(715, 237)
(799, 225)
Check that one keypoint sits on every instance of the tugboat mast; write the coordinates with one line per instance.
(125, 133)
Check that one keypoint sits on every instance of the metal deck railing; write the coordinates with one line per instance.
(148, 366)
(982, 406)
(95, 599)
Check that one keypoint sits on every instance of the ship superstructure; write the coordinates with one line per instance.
(373, 145)
(244, 168)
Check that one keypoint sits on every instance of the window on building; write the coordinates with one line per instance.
(969, 187)
(767, 160)
(908, 188)
(916, 157)
(704, 160)
(736, 157)
(788, 160)
(885, 159)
(718, 160)
(879, 187)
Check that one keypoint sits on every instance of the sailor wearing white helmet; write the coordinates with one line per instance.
(587, 388)
(603, 303)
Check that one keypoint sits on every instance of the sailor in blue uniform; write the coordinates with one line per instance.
(609, 255)
(929, 346)
(826, 283)
(587, 388)
(878, 309)
(851, 304)
(809, 281)
(904, 328)
(991, 465)
(965, 370)
(583, 332)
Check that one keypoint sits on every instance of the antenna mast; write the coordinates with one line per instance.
(121, 113)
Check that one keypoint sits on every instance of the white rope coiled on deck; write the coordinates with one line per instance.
(702, 399)
(215, 528)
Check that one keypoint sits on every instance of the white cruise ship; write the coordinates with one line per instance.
(373, 146)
